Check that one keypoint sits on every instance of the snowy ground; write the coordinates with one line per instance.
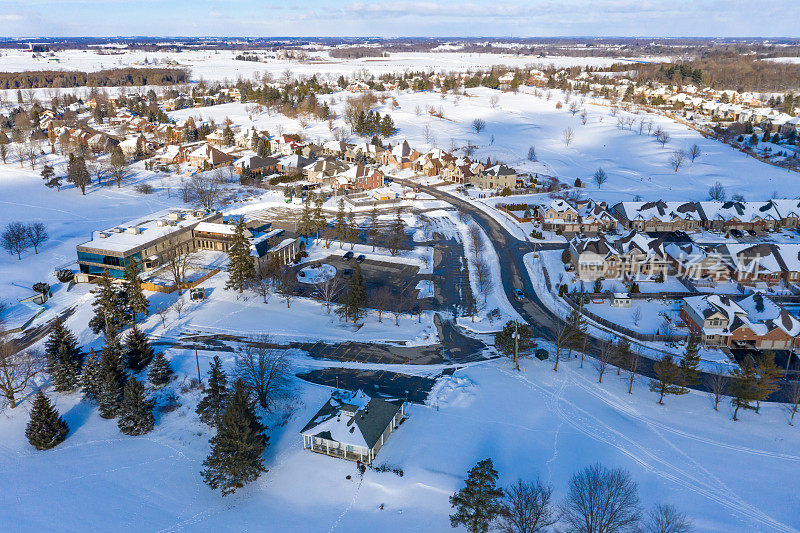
(681, 453)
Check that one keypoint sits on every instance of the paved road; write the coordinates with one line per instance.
(541, 319)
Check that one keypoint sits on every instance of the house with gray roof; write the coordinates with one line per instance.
(352, 426)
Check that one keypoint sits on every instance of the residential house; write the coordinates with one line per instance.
(208, 156)
(659, 216)
(495, 177)
(352, 427)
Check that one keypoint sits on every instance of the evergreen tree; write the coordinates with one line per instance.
(138, 352)
(227, 135)
(137, 301)
(512, 347)
(64, 358)
(576, 326)
(340, 225)
(767, 378)
(668, 376)
(90, 376)
(480, 501)
(46, 428)
(355, 297)
(136, 411)
(111, 379)
(160, 371)
(319, 221)
(212, 403)
(110, 306)
(374, 231)
(305, 226)
(50, 178)
(351, 229)
(690, 374)
(241, 269)
(743, 387)
(262, 150)
(397, 234)
(236, 449)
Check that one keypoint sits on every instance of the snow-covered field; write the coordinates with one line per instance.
(220, 64)
(727, 476)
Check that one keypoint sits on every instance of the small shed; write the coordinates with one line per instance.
(621, 299)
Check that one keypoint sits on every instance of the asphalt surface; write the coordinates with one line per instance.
(541, 319)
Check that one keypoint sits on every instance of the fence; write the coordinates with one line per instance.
(622, 329)
(168, 289)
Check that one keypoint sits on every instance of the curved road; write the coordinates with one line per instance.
(514, 274)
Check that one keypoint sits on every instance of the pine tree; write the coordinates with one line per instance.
(668, 376)
(46, 428)
(767, 378)
(136, 411)
(374, 231)
(236, 449)
(111, 379)
(262, 150)
(110, 306)
(241, 269)
(319, 221)
(90, 376)
(305, 226)
(212, 403)
(743, 387)
(340, 225)
(479, 502)
(396, 235)
(351, 229)
(355, 298)
(137, 301)
(690, 375)
(138, 352)
(160, 371)
(64, 358)
(227, 135)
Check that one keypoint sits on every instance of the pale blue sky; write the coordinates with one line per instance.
(516, 18)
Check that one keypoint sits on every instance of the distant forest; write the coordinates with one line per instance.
(121, 77)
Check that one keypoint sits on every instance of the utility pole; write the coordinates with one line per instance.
(197, 360)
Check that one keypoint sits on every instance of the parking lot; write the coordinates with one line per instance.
(400, 280)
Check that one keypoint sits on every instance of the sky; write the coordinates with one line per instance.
(397, 18)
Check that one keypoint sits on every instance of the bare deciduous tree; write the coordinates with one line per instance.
(532, 154)
(328, 290)
(176, 259)
(203, 191)
(601, 500)
(478, 125)
(163, 312)
(527, 508)
(563, 338)
(568, 134)
(17, 369)
(380, 300)
(574, 107)
(15, 238)
(717, 192)
(36, 233)
(600, 177)
(794, 400)
(493, 101)
(717, 383)
(266, 372)
(476, 238)
(663, 137)
(666, 519)
(483, 278)
(676, 159)
(179, 306)
(694, 152)
(604, 359)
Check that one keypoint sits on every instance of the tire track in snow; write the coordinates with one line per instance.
(598, 430)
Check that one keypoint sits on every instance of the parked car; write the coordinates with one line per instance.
(360, 258)
(348, 256)
(519, 295)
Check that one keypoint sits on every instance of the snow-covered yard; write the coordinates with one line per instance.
(533, 423)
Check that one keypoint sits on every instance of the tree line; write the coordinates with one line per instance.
(121, 77)
(598, 500)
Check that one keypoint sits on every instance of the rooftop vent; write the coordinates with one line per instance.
(133, 230)
(102, 234)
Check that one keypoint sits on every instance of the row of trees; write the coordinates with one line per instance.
(598, 500)
(19, 236)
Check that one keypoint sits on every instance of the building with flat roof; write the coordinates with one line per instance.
(148, 240)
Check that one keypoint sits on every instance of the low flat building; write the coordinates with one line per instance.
(148, 240)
